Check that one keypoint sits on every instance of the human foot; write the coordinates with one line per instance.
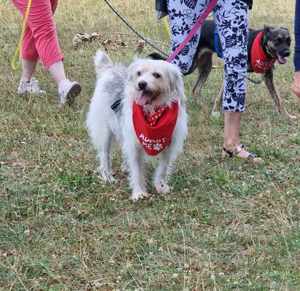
(30, 87)
(241, 152)
(68, 91)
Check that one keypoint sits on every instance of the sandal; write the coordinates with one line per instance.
(237, 153)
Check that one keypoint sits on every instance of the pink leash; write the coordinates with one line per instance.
(211, 5)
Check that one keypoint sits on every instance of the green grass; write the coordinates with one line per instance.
(226, 225)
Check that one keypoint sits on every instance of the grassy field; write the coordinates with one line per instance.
(227, 225)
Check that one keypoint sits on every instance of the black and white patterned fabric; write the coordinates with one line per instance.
(231, 18)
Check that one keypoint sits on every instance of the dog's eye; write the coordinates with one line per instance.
(139, 73)
(156, 75)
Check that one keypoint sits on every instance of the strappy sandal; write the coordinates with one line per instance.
(236, 153)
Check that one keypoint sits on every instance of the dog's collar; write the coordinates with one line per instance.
(261, 62)
(265, 46)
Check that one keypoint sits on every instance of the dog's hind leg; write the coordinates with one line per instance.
(269, 81)
(104, 154)
(204, 65)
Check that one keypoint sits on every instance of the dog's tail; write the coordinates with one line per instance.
(102, 62)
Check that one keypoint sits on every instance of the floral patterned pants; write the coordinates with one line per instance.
(231, 18)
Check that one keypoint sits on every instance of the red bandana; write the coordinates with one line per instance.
(154, 131)
(260, 62)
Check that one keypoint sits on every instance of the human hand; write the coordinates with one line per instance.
(296, 84)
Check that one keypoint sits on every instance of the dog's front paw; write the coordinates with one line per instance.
(136, 196)
(106, 177)
(162, 187)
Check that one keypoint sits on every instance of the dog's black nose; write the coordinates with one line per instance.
(142, 85)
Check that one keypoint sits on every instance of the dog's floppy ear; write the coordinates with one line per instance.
(176, 82)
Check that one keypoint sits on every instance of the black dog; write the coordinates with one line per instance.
(265, 47)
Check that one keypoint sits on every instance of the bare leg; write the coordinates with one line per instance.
(28, 69)
(232, 123)
(296, 84)
(67, 90)
(57, 72)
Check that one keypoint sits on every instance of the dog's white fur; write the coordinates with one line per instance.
(164, 84)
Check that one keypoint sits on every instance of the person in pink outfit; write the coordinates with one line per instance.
(40, 42)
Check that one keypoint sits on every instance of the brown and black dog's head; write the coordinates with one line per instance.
(277, 42)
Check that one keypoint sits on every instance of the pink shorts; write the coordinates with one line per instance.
(40, 39)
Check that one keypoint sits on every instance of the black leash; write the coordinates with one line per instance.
(133, 29)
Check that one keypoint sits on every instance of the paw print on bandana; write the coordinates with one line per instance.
(153, 118)
(157, 147)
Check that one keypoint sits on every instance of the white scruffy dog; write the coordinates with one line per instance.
(149, 84)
